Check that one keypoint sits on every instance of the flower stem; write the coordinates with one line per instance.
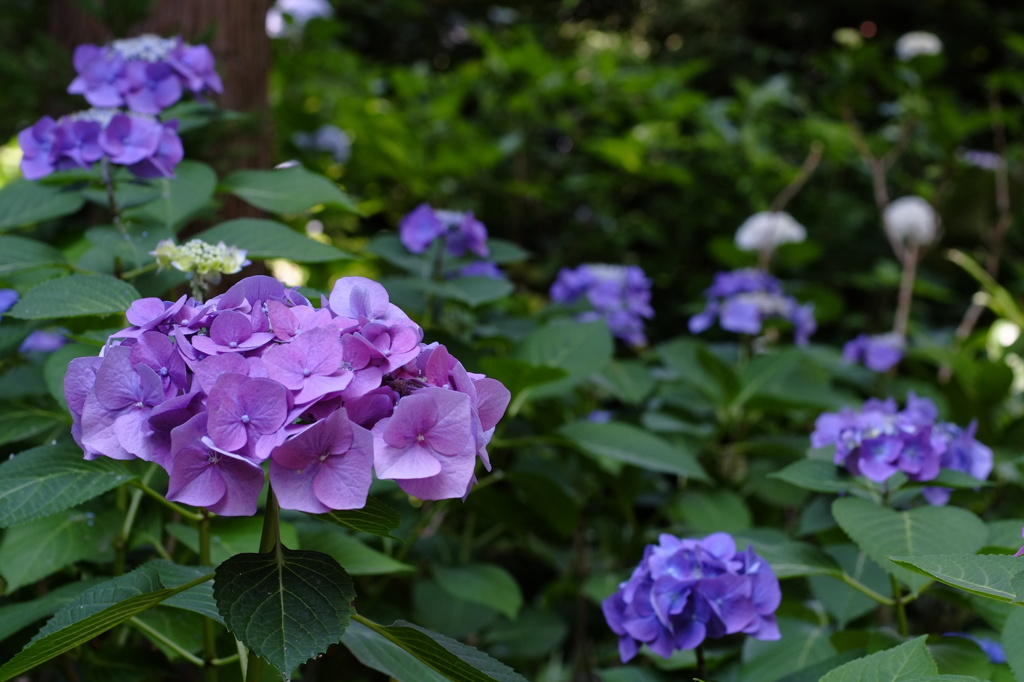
(209, 632)
(115, 211)
(121, 542)
(901, 611)
(164, 501)
(906, 295)
(270, 541)
(702, 666)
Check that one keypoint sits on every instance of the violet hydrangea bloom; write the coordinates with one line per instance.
(460, 231)
(258, 378)
(879, 440)
(879, 353)
(684, 591)
(743, 300)
(618, 294)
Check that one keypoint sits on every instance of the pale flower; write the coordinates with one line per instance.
(768, 229)
(917, 43)
(911, 219)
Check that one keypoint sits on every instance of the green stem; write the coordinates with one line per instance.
(173, 646)
(139, 271)
(115, 211)
(121, 543)
(864, 589)
(702, 666)
(270, 541)
(185, 513)
(901, 611)
(209, 631)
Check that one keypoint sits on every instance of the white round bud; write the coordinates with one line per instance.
(911, 219)
(767, 230)
(915, 43)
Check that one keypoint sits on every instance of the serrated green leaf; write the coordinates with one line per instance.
(23, 202)
(349, 551)
(484, 584)
(474, 291)
(31, 551)
(763, 370)
(456, 661)
(20, 253)
(900, 664)
(628, 380)
(287, 190)
(377, 652)
(51, 478)
(75, 296)
(814, 475)
(710, 511)
(987, 575)
(287, 606)
(802, 644)
(18, 425)
(14, 617)
(517, 375)
(1013, 641)
(179, 197)
(882, 532)
(632, 445)
(580, 349)
(502, 251)
(792, 559)
(376, 518)
(270, 239)
(841, 601)
(92, 613)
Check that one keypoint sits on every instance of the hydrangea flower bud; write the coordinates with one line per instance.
(916, 43)
(911, 219)
(879, 353)
(767, 230)
(200, 258)
(618, 294)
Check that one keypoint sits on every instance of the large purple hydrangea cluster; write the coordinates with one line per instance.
(618, 294)
(144, 75)
(258, 375)
(879, 440)
(684, 591)
(742, 300)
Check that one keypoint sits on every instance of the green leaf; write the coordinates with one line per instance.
(375, 651)
(882, 532)
(14, 617)
(51, 478)
(792, 559)
(763, 370)
(287, 606)
(474, 291)
(376, 518)
(627, 443)
(23, 202)
(535, 633)
(802, 644)
(230, 536)
(709, 511)
(161, 625)
(1013, 641)
(456, 661)
(270, 239)
(503, 251)
(815, 475)
(628, 380)
(92, 613)
(900, 664)
(127, 194)
(578, 348)
(31, 551)
(723, 374)
(988, 575)
(350, 552)
(484, 584)
(19, 253)
(287, 190)
(179, 197)
(841, 601)
(517, 375)
(18, 425)
(75, 296)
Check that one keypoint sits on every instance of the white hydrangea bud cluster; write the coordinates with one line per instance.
(196, 257)
(917, 43)
(146, 48)
(911, 219)
(766, 230)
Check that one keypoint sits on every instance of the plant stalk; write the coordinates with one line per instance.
(901, 611)
(270, 541)
(209, 632)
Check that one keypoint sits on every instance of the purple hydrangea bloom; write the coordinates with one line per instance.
(879, 439)
(481, 268)
(684, 591)
(211, 392)
(43, 341)
(992, 648)
(8, 297)
(879, 353)
(462, 232)
(743, 300)
(618, 294)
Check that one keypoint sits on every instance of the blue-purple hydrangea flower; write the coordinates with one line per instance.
(148, 147)
(684, 591)
(146, 74)
(743, 300)
(879, 353)
(460, 231)
(879, 440)
(618, 294)
(212, 391)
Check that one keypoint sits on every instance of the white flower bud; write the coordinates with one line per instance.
(767, 230)
(917, 43)
(911, 219)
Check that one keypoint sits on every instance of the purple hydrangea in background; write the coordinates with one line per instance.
(879, 353)
(146, 74)
(618, 294)
(461, 232)
(8, 297)
(148, 147)
(212, 391)
(43, 341)
(992, 648)
(742, 300)
(684, 591)
(879, 439)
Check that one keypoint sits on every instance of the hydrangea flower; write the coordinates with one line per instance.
(146, 74)
(916, 43)
(300, 11)
(743, 300)
(766, 230)
(8, 297)
(684, 591)
(618, 294)
(327, 138)
(911, 219)
(148, 147)
(43, 341)
(879, 353)
(259, 378)
(461, 232)
(879, 440)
